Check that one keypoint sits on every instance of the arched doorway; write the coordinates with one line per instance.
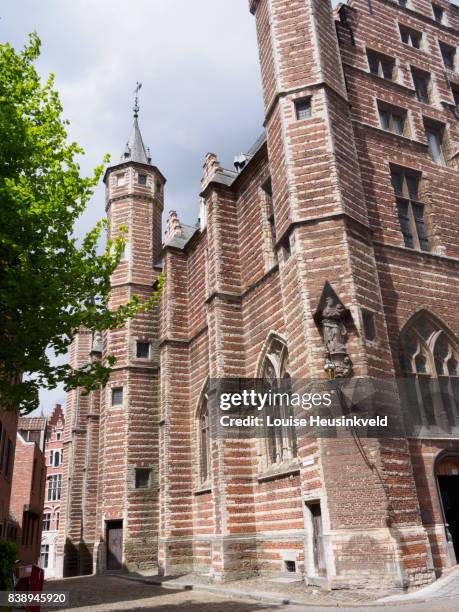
(447, 474)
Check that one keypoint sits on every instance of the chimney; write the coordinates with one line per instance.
(173, 226)
(210, 167)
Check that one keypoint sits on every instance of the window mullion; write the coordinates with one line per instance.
(413, 227)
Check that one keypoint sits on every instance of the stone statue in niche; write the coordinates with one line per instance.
(331, 315)
(335, 332)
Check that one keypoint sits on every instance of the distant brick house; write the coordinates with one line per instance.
(352, 190)
(8, 429)
(28, 486)
(51, 508)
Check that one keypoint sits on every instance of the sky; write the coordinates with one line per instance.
(201, 91)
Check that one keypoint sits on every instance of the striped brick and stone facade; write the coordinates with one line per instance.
(52, 502)
(353, 187)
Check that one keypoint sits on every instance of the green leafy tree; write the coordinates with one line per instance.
(8, 555)
(49, 284)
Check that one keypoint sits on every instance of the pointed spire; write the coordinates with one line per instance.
(135, 150)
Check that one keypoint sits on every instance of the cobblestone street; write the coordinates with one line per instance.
(112, 592)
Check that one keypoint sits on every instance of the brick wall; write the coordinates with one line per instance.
(247, 278)
(8, 422)
(27, 495)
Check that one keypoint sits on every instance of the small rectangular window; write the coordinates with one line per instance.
(303, 108)
(368, 325)
(44, 556)
(437, 13)
(410, 37)
(402, 3)
(449, 55)
(142, 179)
(117, 396)
(46, 521)
(143, 350)
(120, 180)
(421, 82)
(392, 118)
(381, 65)
(434, 135)
(142, 478)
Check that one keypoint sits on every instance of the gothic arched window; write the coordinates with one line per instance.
(203, 431)
(429, 360)
(280, 441)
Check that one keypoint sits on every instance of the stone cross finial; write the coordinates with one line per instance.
(136, 100)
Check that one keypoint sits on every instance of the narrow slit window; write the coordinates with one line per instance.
(421, 82)
(455, 92)
(448, 54)
(434, 135)
(269, 225)
(368, 320)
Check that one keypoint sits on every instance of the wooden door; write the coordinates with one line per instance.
(114, 545)
(318, 540)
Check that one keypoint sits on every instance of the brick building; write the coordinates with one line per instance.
(28, 486)
(52, 501)
(341, 217)
(8, 429)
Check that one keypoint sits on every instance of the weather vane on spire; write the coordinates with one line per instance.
(136, 101)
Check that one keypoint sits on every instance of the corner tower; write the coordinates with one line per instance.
(321, 218)
(127, 510)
